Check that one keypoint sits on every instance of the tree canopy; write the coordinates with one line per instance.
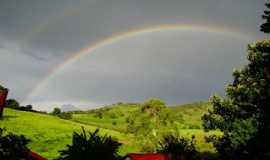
(265, 27)
(243, 115)
(2, 87)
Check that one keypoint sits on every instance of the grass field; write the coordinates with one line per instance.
(114, 117)
(50, 134)
(188, 118)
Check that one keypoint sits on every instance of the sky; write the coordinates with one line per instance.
(176, 65)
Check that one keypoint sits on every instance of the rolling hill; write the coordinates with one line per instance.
(114, 116)
(49, 134)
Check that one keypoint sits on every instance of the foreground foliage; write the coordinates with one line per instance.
(243, 116)
(265, 27)
(49, 134)
(178, 147)
(12, 147)
(92, 146)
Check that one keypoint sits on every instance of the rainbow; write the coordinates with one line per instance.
(120, 36)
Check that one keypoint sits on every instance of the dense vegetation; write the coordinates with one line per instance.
(265, 27)
(49, 134)
(64, 115)
(12, 103)
(2, 87)
(178, 147)
(243, 115)
(12, 147)
(91, 146)
(148, 129)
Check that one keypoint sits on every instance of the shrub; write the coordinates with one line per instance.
(99, 114)
(114, 123)
(12, 103)
(178, 147)
(13, 147)
(65, 115)
(113, 115)
(94, 147)
(56, 111)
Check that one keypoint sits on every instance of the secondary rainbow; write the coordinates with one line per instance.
(120, 36)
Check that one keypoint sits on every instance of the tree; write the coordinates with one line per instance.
(149, 123)
(99, 114)
(94, 147)
(265, 27)
(12, 103)
(243, 115)
(65, 115)
(179, 148)
(56, 111)
(2, 87)
(28, 107)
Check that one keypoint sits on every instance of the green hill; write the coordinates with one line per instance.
(191, 114)
(114, 117)
(49, 134)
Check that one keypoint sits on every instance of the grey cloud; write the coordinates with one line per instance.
(47, 25)
(37, 35)
(20, 72)
(178, 67)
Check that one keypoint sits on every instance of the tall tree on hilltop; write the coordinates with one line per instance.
(265, 27)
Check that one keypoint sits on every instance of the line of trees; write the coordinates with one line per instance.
(12, 103)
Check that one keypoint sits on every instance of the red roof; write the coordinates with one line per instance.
(35, 156)
(148, 156)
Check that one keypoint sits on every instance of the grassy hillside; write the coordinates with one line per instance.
(48, 134)
(191, 114)
(114, 117)
(110, 117)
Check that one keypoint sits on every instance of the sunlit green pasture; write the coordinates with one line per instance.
(49, 134)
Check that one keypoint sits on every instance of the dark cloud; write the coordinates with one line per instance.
(37, 35)
(176, 66)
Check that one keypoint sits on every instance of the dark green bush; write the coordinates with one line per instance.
(2, 88)
(65, 115)
(12, 147)
(56, 111)
(12, 103)
(114, 123)
(178, 147)
(99, 114)
(92, 146)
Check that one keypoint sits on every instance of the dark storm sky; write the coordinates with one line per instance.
(176, 66)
